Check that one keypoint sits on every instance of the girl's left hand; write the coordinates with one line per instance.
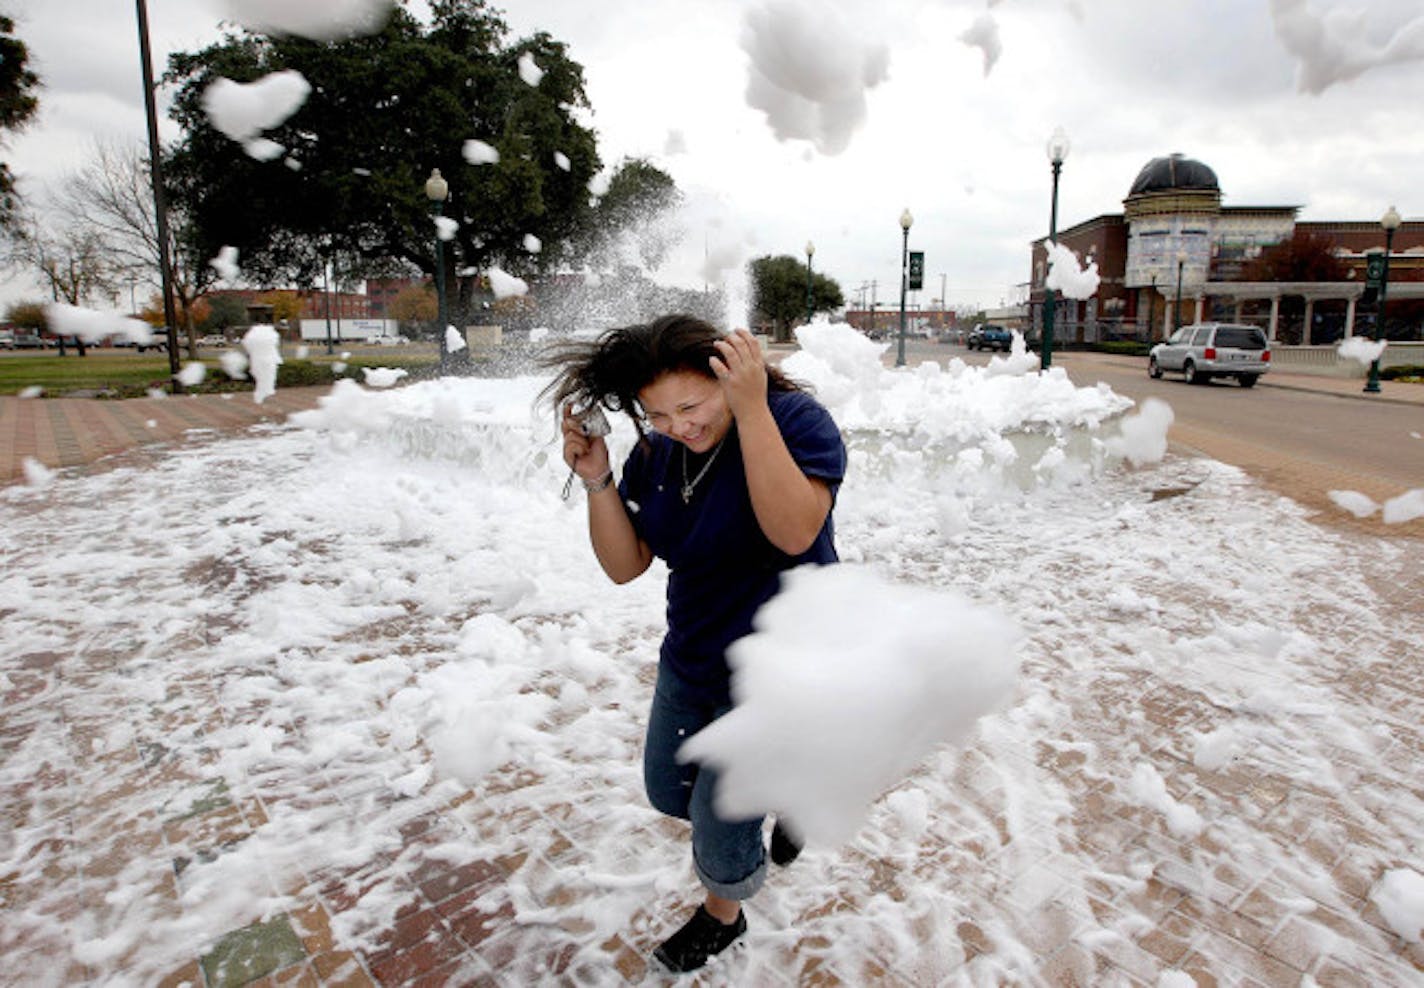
(741, 371)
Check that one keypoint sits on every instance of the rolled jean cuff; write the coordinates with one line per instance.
(739, 890)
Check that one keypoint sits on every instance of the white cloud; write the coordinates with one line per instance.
(1333, 46)
(932, 128)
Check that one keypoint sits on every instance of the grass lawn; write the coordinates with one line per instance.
(127, 374)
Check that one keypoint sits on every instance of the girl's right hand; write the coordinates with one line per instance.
(586, 455)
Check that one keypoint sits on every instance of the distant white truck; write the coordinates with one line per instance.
(351, 329)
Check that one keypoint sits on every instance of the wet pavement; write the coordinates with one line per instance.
(120, 803)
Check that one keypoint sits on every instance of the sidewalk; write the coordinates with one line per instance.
(73, 432)
(1391, 392)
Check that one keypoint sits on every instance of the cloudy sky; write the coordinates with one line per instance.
(940, 106)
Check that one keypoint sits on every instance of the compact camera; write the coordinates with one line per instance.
(593, 422)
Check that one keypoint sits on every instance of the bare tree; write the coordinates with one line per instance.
(71, 259)
(115, 196)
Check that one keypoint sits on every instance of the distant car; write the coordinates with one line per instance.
(7, 339)
(990, 337)
(29, 341)
(387, 340)
(1202, 351)
(212, 339)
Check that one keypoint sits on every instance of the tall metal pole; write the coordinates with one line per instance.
(440, 285)
(1152, 308)
(904, 284)
(1050, 302)
(326, 300)
(160, 206)
(810, 309)
(1177, 299)
(1372, 383)
(329, 308)
(436, 189)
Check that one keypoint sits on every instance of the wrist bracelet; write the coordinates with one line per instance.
(594, 487)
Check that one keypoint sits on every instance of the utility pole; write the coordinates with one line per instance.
(160, 206)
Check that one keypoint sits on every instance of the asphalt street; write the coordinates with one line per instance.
(1301, 443)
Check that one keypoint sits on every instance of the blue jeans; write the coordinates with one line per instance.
(727, 854)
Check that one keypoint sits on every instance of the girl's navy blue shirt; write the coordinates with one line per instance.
(721, 567)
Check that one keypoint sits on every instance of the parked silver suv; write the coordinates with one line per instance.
(1205, 350)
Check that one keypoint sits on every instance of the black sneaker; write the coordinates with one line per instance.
(784, 848)
(701, 938)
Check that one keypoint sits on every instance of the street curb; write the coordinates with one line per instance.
(1265, 382)
(1362, 396)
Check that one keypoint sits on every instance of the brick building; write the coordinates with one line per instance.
(886, 318)
(315, 304)
(1174, 230)
(382, 291)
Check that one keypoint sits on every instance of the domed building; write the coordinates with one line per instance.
(1174, 230)
(1175, 174)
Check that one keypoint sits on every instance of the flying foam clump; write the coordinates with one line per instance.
(92, 326)
(318, 20)
(846, 684)
(1068, 276)
(1363, 349)
(242, 111)
(1336, 46)
(264, 354)
(809, 72)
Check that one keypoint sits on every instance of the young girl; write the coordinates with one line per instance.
(734, 484)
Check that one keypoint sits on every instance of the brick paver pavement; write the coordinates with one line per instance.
(71, 432)
(443, 935)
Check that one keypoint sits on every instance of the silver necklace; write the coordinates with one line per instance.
(689, 485)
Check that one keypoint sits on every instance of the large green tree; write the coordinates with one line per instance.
(224, 312)
(28, 315)
(384, 111)
(779, 292)
(638, 196)
(17, 105)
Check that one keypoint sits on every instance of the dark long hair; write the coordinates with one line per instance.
(611, 370)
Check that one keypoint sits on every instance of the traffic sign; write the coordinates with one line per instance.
(1374, 269)
(917, 270)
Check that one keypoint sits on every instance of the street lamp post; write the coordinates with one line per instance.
(1389, 222)
(1057, 149)
(1177, 299)
(810, 309)
(436, 189)
(905, 220)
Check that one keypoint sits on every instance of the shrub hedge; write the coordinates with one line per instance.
(1130, 348)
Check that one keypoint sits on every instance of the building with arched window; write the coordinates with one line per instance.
(1176, 254)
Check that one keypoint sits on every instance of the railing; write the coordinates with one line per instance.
(1326, 360)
